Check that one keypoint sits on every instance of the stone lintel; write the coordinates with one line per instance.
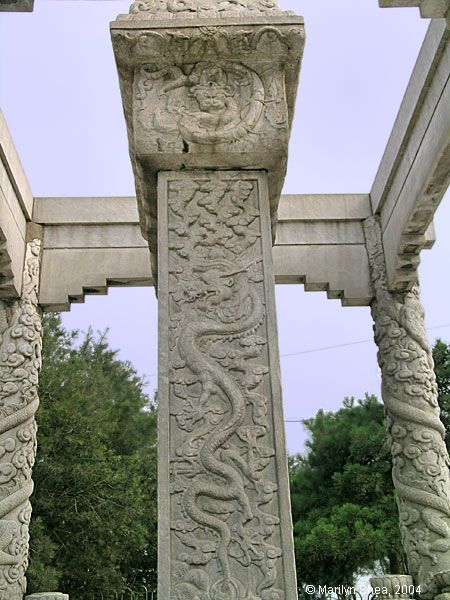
(91, 244)
(429, 9)
(16, 204)
(414, 172)
(16, 5)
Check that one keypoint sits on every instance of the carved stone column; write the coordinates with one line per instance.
(226, 528)
(208, 88)
(20, 360)
(416, 434)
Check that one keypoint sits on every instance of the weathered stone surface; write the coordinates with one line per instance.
(20, 357)
(16, 5)
(207, 93)
(172, 9)
(16, 204)
(420, 460)
(415, 169)
(398, 587)
(429, 9)
(47, 596)
(225, 528)
(93, 243)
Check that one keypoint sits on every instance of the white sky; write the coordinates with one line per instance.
(60, 95)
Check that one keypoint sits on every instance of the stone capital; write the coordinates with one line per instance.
(207, 93)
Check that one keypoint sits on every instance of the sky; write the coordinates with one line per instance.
(60, 96)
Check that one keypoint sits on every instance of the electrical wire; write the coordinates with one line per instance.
(329, 348)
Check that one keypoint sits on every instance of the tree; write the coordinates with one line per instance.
(441, 356)
(93, 530)
(344, 512)
(343, 501)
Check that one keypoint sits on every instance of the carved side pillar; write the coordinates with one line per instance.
(20, 360)
(416, 434)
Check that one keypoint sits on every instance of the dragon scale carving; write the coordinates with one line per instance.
(416, 434)
(226, 542)
(20, 359)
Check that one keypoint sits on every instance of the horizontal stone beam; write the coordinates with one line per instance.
(16, 204)
(16, 5)
(429, 9)
(91, 244)
(415, 169)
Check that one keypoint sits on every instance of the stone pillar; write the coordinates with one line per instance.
(20, 359)
(225, 523)
(416, 435)
(208, 89)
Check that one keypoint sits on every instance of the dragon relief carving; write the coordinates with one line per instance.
(416, 434)
(209, 103)
(203, 8)
(20, 360)
(225, 542)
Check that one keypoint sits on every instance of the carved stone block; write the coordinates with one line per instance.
(225, 528)
(206, 92)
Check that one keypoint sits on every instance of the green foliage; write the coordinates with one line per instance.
(343, 501)
(441, 355)
(344, 512)
(93, 530)
(94, 505)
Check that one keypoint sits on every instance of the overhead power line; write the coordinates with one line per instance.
(346, 344)
(329, 348)
(333, 347)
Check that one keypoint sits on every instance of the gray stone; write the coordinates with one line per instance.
(47, 596)
(20, 359)
(16, 5)
(16, 205)
(182, 9)
(419, 455)
(388, 587)
(208, 93)
(429, 9)
(225, 526)
(93, 243)
(415, 169)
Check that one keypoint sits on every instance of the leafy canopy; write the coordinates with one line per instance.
(343, 501)
(93, 530)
